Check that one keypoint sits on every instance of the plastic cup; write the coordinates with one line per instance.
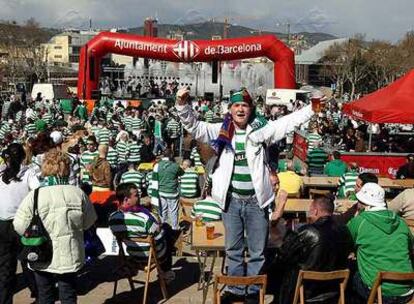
(199, 219)
(316, 105)
(210, 231)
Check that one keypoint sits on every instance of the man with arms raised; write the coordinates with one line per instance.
(241, 178)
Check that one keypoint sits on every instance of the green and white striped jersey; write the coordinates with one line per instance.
(189, 183)
(134, 152)
(30, 129)
(208, 117)
(241, 179)
(5, 129)
(135, 177)
(122, 149)
(139, 224)
(312, 139)
(209, 209)
(112, 157)
(95, 131)
(103, 136)
(347, 183)
(48, 118)
(173, 128)
(195, 157)
(137, 124)
(87, 158)
(128, 123)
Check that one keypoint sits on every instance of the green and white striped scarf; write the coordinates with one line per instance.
(54, 180)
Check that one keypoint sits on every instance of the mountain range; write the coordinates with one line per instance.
(205, 30)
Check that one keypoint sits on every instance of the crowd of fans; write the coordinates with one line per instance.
(143, 86)
(117, 166)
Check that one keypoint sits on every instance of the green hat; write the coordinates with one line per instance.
(41, 125)
(241, 96)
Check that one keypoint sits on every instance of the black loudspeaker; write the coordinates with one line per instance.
(96, 94)
(214, 75)
(209, 96)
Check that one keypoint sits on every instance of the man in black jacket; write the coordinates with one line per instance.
(321, 245)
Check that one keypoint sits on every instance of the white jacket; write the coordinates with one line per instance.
(66, 212)
(255, 154)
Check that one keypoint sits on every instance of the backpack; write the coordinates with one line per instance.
(37, 246)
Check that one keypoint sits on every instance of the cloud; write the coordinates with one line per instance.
(377, 18)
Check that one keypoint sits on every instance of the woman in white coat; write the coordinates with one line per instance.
(66, 212)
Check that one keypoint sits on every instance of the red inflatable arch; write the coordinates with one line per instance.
(183, 51)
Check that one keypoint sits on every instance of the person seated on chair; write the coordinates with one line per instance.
(383, 242)
(403, 205)
(336, 167)
(321, 245)
(290, 181)
(134, 220)
(354, 185)
(188, 181)
(208, 208)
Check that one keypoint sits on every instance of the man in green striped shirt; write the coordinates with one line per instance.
(195, 157)
(316, 160)
(134, 220)
(173, 130)
(313, 138)
(112, 156)
(122, 148)
(103, 135)
(87, 158)
(135, 177)
(188, 181)
(208, 208)
(134, 150)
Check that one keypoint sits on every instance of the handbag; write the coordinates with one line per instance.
(37, 246)
(93, 244)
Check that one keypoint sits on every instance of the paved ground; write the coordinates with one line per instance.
(96, 286)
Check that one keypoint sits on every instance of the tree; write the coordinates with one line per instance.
(405, 51)
(382, 60)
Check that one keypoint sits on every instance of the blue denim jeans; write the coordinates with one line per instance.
(159, 145)
(245, 221)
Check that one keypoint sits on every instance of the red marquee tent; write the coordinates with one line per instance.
(392, 104)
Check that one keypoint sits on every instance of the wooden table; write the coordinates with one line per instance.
(332, 182)
(320, 181)
(213, 247)
(302, 204)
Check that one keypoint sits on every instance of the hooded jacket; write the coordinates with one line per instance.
(272, 132)
(383, 242)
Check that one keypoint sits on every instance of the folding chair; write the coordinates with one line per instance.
(321, 276)
(260, 280)
(391, 277)
(151, 264)
(184, 237)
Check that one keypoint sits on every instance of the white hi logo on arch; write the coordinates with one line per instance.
(186, 50)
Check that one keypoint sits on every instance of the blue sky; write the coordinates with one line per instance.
(378, 19)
